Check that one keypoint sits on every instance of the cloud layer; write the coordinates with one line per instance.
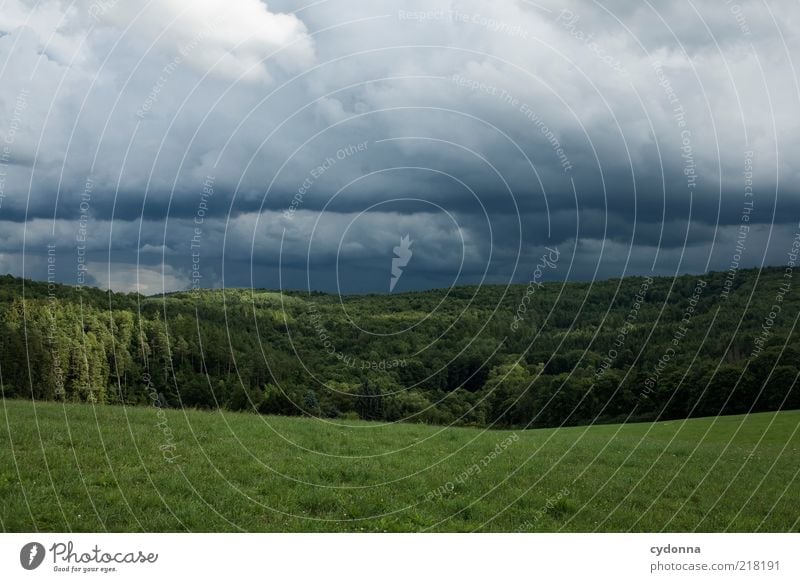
(282, 145)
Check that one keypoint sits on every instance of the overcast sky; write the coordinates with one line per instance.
(287, 144)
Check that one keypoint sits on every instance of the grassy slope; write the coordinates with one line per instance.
(85, 468)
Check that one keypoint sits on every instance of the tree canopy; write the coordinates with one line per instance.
(623, 349)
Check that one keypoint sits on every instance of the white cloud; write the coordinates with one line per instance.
(144, 279)
(231, 39)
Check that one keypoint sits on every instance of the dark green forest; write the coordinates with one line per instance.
(540, 355)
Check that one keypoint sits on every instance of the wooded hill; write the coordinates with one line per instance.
(637, 348)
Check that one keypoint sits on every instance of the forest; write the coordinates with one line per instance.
(537, 355)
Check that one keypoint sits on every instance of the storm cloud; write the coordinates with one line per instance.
(163, 145)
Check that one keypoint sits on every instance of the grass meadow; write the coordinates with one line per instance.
(84, 468)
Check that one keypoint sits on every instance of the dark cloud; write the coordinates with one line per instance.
(630, 134)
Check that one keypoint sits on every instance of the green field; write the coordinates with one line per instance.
(78, 467)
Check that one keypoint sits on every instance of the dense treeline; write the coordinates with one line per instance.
(637, 348)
